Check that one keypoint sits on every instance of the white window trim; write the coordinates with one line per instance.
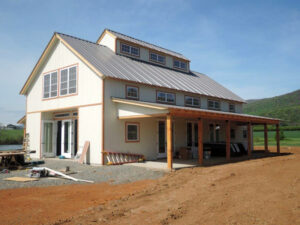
(192, 105)
(131, 97)
(138, 131)
(166, 99)
(50, 84)
(68, 81)
(214, 101)
(157, 55)
(130, 50)
(180, 62)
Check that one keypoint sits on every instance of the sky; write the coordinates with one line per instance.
(250, 47)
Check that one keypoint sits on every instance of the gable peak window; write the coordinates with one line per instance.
(130, 50)
(179, 65)
(165, 97)
(132, 92)
(157, 58)
(50, 85)
(213, 104)
(68, 81)
(192, 101)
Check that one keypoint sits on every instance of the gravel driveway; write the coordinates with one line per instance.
(114, 174)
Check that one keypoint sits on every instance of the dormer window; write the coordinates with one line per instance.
(179, 65)
(157, 58)
(130, 50)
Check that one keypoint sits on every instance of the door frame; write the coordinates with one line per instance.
(53, 154)
(70, 154)
(193, 147)
(164, 155)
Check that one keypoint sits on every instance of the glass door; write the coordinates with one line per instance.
(192, 138)
(162, 138)
(66, 138)
(48, 145)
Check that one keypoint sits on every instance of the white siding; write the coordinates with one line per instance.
(33, 128)
(109, 42)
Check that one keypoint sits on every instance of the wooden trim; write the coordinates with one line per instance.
(192, 105)
(103, 120)
(65, 108)
(169, 142)
(168, 103)
(132, 98)
(179, 68)
(130, 44)
(41, 130)
(277, 138)
(249, 136)
(212, 108)
(142, 116)
(102, 35)
(158, 54)
(139, 130)
(172, 90)
(200, 141)
(266, 137)
(80, 57)
(227, 140)
(136, 103)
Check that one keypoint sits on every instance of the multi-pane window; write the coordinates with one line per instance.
(132, 92)
(179, 64)
(50, 85)
(165, 97)
(68, 81)
(131, 50)
(231, 108)
(132, 132)
(192, 101)
(157, 58)
(212, 104)
(232, 133)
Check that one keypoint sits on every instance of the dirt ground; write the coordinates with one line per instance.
(260, 191)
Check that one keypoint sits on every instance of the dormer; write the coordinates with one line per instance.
(130, 47)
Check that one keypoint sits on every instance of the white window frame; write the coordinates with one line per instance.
(214, 104)
(193, 101)
(137, 130)
(130, 50)
(181, 65)
(157, 58)
(166, 95)
(50, 85)
(137, 91)
(68, 81)
(233, 108)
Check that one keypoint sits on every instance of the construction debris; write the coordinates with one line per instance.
(21, 179)
(45, 172)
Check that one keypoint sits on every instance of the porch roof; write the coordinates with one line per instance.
(190, 112)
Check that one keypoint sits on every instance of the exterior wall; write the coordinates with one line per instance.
(33, 128)
(144, 55)
(90, 129)
(88, 101)
(109, 41)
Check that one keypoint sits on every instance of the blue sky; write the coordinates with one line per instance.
(251, 47)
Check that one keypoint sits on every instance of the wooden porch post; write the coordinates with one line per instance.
(266, 137)
(169, 142)
(200, 141)
(278, 138)
(227, 140)
(249, 134)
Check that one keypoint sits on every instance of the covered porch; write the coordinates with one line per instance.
(201, 120)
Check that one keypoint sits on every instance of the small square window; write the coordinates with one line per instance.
(132, 92)
(132, 132)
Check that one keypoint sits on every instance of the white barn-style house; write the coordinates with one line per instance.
(128, 96)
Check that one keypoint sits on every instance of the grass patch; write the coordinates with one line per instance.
(11, 137)
(291, 138)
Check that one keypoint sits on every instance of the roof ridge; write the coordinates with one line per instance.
(81, 39)
(145, 42)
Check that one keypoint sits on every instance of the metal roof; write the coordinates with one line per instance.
(125, 68)
(146, 44)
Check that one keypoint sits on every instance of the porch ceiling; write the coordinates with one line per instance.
(181, 111)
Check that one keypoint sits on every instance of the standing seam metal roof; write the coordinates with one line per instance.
(125, 68)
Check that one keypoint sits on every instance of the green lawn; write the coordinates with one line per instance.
(8, 137)
(292, 138)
